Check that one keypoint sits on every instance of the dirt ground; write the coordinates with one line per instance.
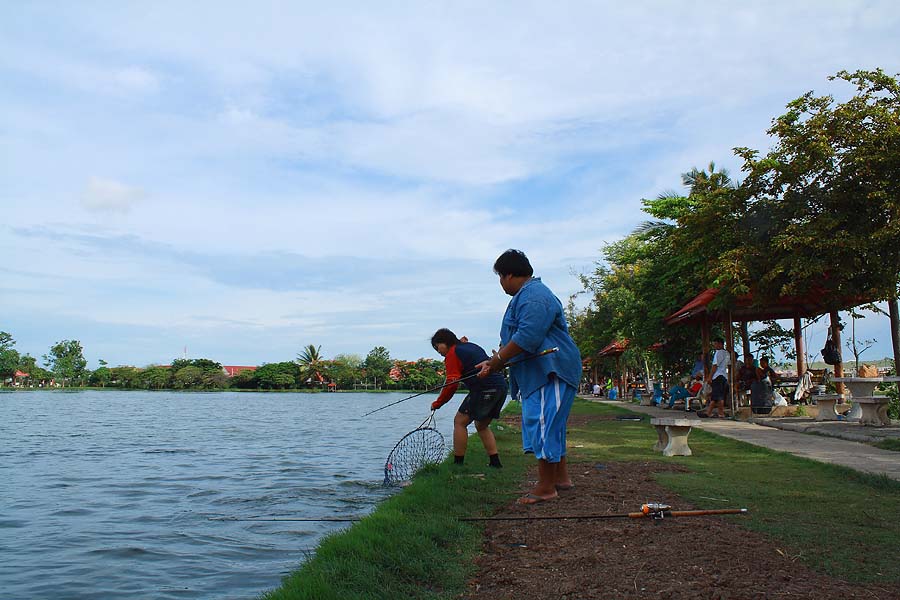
(691, 557)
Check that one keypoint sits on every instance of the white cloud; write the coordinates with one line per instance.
(109, 196)
(385, 133)
(136, 79)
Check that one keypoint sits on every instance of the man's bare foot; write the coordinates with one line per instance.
(535, 499)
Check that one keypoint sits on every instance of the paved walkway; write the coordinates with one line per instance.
(845, 452)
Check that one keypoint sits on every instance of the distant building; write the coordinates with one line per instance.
(232, 370)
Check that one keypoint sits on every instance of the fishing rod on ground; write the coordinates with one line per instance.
(655, 511)
(454, 382)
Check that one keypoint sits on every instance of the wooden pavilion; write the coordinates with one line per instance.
(616, 349)
(745, 309)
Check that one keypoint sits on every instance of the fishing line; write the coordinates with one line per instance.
(455, 381)
(653, 510)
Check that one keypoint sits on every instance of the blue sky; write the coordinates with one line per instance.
(245, 179)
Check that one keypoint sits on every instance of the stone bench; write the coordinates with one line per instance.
(874, 410)
(826, 403)
(673, 436)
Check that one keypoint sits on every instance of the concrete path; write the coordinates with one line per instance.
(855, 455)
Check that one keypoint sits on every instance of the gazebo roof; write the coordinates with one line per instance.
(744, 308)
(614, 348)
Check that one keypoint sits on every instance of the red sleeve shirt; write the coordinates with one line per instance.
(454, 373)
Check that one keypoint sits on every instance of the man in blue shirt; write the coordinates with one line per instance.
(535, 321)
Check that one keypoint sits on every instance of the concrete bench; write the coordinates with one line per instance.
(673, 436)
(826, 403)
(874, 410)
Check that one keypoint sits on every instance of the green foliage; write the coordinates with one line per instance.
(422, 374)
(101, 376)
(378, 363)
(9, 357)
(311, 365)
(188, 377)
(818, 214)
(276, 376)
(66, 361)
(650, 273)
(36, 374)
(773, 336)
(152, 378)
(826, 198)
(344, 370)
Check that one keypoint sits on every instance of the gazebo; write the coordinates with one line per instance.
(745, 308)
(615, 349)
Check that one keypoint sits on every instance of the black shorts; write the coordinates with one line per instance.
(719, 389)
(484, 404)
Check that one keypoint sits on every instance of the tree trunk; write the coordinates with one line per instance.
(704, 335)
(729, 340)
(801, 350)
(895, 332)
(834, 316)
(745, 338)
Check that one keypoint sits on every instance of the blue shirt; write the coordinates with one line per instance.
(535, 321)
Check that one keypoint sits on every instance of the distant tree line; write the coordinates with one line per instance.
(65, 366)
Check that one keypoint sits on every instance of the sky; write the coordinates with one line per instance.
(235, 181)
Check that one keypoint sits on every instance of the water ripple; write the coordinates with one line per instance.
(116, 495)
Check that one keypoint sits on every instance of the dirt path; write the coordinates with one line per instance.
(703, 557)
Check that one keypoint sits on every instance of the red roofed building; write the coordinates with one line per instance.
(232, 370)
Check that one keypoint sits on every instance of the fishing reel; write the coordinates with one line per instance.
(656, 510)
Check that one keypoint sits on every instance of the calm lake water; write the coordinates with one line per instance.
(114, 494)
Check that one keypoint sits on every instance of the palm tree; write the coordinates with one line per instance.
(310, 361)
(703, 181)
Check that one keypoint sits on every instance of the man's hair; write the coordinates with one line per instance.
(444, 336)
(764, 358)
(513, 262)
(719, 339)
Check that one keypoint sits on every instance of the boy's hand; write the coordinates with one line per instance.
(484, 368)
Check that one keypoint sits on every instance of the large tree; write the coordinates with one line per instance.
(311, 364)
(9, 357)
(277, 376)
(825, 201)
(378, 364)
(66, 361)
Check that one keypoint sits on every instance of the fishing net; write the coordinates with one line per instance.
(421, 446)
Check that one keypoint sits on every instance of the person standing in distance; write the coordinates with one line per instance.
(535, 321)
(718, 379)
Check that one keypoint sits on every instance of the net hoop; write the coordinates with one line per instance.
(420, 447)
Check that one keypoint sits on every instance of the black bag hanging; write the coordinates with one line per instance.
(830, 353)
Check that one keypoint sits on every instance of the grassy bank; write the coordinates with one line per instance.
(413, 546)
(837, 520)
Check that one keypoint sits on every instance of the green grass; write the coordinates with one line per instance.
(837, 520)
(889, 444)
(413, 546)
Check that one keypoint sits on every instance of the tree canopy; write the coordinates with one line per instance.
(819, 212)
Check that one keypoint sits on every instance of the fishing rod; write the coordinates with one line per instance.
(455, 381)
(656, 511)
(653, 510)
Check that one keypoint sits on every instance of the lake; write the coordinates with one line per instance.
(111, 494)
